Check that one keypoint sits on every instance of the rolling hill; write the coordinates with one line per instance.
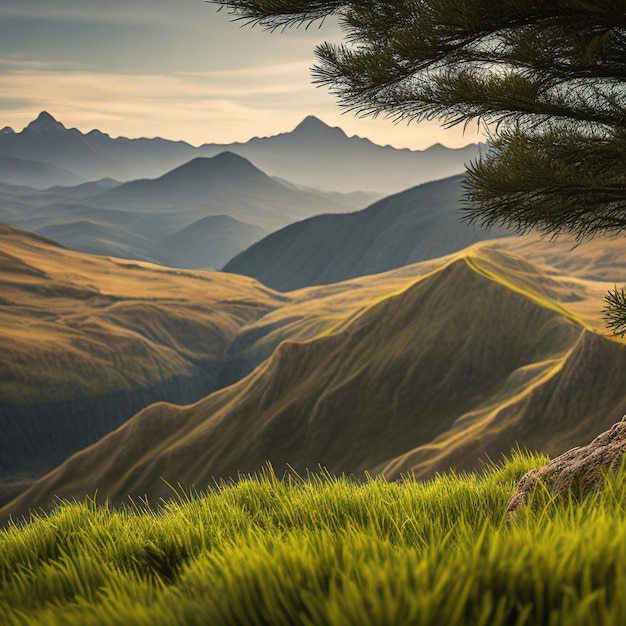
(418, 224)
(164, 220)
(427, 367)
(88, 341)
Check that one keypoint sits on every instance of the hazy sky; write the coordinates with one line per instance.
(171, 68)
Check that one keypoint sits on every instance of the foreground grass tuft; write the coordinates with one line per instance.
(326, 551)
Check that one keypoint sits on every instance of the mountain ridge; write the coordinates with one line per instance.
(43, 123)
(420, 223)
(381, 389)
(140, 219)
(225, 184)
(311, 154)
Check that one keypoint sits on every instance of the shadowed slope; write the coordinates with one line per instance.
(551, 406)
(418, 224)
(476, 335)
(208, 242)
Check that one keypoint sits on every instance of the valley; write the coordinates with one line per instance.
(199, 215)
(88, 341)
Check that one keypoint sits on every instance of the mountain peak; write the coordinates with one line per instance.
(225, 166)
(221, 160)
(313, 126)
(44, 123)
(7, 130)
(229, 157)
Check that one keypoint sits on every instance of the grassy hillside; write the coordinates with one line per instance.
(88, 341)
(326, 551)
(422, 369)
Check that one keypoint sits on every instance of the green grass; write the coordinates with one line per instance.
(326, 550)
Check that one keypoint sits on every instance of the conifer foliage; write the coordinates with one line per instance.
(547, 77)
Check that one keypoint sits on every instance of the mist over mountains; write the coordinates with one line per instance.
(261, 185)
(164, 220)
(421, 223)
(316, 154)
(226, 184)
(313, 154)
(92, 155)
(24, 172)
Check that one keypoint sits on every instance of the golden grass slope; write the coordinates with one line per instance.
(424, 368)
(86, 342)
(73, 324)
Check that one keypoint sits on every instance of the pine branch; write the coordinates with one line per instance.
(278, 14)
(615, 311)
(556, 181)
(549, 78)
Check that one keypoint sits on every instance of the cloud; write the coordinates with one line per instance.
(44, 83)
(197, 15)
(12, 64)
(176, 69)
(177, 106)
(218, 106)
(112, 11)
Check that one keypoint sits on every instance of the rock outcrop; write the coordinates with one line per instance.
(579, 470)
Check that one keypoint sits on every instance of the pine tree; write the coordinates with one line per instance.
(547, 77)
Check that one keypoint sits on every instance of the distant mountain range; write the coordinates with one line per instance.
(166, 220)
(313, 154)
(422, 223)
(426, 367)
(226, 184)
(161, 215)
(316, 154)
(90, 156)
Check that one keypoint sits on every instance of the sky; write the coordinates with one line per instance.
(177, 69)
